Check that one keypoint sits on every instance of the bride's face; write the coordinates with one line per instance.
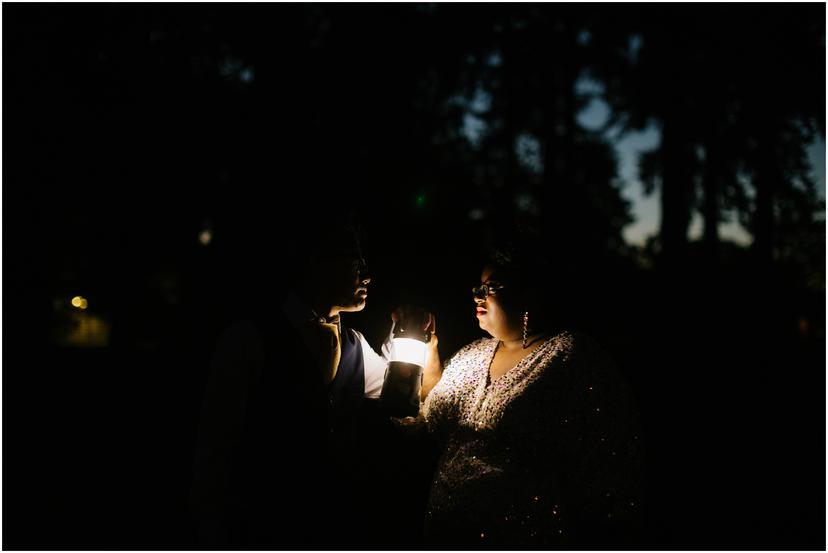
(495, 314)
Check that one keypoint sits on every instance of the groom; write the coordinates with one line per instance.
(278, 460)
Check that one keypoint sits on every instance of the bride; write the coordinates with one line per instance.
(540, 442)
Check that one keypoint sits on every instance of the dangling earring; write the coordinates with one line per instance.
(525, 327)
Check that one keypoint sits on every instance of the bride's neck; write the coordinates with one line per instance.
(513, 345)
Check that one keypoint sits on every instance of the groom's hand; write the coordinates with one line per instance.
(415, 318)
(411, 316)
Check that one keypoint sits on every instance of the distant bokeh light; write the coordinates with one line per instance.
(246, 75)
(477, 214)
(84, 330)
(205, 237)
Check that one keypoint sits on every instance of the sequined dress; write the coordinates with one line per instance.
(548, 454)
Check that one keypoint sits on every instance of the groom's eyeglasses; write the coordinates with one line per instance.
(482, 292)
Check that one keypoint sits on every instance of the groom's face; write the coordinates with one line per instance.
(349, 280)
(343, 274)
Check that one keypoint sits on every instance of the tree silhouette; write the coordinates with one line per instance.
(724, 95)
(531, 161)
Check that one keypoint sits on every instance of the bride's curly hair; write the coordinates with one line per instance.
(526, 262)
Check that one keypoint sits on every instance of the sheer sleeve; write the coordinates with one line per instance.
(441, 408)
(600, 448)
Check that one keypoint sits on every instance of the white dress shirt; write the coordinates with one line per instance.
(375, 364)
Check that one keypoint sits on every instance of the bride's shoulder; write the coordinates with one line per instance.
(471, 354)
(475, 348)
(571, 341)
(578, 357)
(570, 348)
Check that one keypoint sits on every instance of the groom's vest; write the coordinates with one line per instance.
(299, 448)
(346, 392)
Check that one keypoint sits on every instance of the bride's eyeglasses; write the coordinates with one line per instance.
(482, 292)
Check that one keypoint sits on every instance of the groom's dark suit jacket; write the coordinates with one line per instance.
(276, 461)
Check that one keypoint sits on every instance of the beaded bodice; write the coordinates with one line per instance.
(535, 454)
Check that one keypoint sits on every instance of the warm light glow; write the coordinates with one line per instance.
(409, 350)
(79, 302)
(86, 330)
(205, 236)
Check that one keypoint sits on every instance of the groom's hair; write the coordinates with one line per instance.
(338, 233)
(266, 244)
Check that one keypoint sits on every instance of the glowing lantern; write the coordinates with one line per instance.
(400, 395)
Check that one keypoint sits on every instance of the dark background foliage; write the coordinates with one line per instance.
(161, 159)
